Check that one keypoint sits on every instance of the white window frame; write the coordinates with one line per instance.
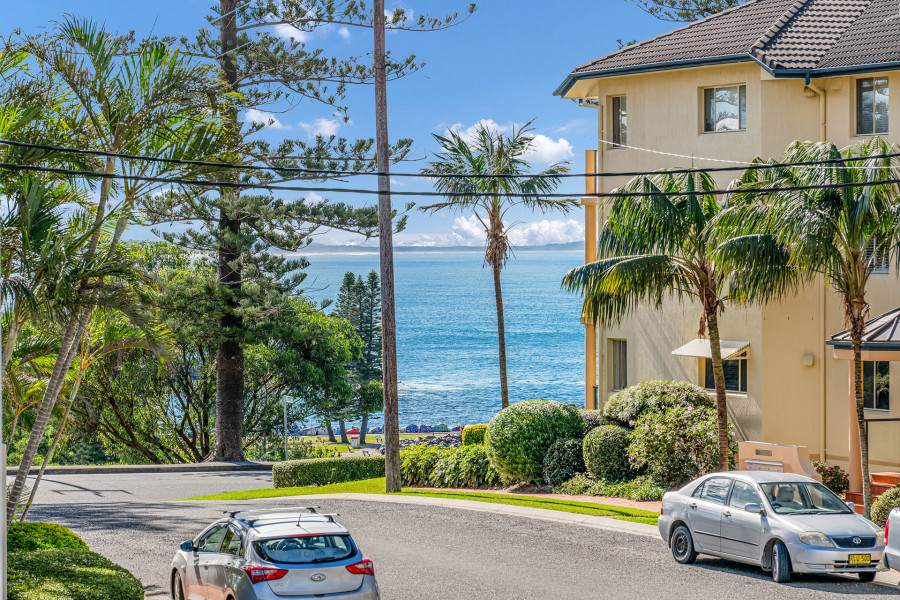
(742, 107)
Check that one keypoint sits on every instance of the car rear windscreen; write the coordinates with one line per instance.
(305, 549)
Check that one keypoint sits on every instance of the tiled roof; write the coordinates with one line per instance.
(783, 35)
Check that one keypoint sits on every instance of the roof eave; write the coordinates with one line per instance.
(848, 345)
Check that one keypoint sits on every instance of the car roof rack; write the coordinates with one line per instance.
(234, 513)
(329, 516)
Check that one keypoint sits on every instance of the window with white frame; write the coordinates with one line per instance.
(619, 352)
(872, 95)
(880, 261)
(725, 109)
(619, 121)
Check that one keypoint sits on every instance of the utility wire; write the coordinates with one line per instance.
(287, 188)
(335, 173)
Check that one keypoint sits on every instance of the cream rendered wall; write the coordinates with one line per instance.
(784, 403)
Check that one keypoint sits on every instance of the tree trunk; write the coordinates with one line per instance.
(501, 336)
(712, 325)
(362, 429)
(343, 429)
(330, 430)
(386, 246)
(856, 330)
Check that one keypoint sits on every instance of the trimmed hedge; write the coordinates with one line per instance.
(882, 506)
(641, 489)
(325, 471)
(606, 453)
(417, 464)
(563, 461)
(433, 466)
(69, 574)
(473, 435)
(627, 406)
(520, 435)
(27, 537)
(592, 419)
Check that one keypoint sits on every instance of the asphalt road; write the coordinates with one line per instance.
(420, 552)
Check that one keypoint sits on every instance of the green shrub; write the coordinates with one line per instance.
(678, 444)
(520, 435)
(563, 460)
(576, 486)
(26, 537)
(431, 466)
(641, 489)
(606, 453)
(627, 406)
(473, 435)
(592, 419)
(325, 471)
(69, 574)
(881, 508)
(835, 478)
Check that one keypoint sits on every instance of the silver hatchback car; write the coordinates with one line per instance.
(780, 521)
(271, 555)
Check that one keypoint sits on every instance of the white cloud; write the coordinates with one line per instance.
(468, 231)
(260, 117)
(313, 199)
(468, 133)
(546, 232)
(323, 127)
(344, 33)
(545, 150)
(289, 32)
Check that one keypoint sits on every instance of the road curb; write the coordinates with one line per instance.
(127, 469)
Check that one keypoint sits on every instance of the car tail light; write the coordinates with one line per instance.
(660, 511)
(364, 567)
(887, 527)
(257, 574)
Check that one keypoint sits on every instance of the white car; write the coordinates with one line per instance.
(892, 542)
(271, 555)
(783, 522)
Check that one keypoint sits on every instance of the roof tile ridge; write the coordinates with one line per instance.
(757, 50)
(668, 33)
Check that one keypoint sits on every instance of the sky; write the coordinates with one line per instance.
(499, 67)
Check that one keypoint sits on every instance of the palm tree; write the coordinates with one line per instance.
(661, 242)
(495, 180)
(841, 231)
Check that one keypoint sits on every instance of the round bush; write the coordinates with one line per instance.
(520, 435)
(69, 574)
(563, 461)
(592, 419)
(26, 537)
(473, 435)
(835, 478)
(678, 444)
(606, 453)
(627, 406)
(881, 508)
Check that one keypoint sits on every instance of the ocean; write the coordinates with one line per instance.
(447, 330)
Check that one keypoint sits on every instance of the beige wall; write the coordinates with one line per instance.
(787, 402)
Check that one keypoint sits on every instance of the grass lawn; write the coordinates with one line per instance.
(376, 486)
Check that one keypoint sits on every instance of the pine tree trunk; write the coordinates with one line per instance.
(362, 429)
(501, 336)
(712, 324)
(343, 430)
(330, 430)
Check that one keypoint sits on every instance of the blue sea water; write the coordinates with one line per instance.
(447, 330)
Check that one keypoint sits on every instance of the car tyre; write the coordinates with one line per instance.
(683, 546)
(781, 564)
(867, 576)
(177, 587)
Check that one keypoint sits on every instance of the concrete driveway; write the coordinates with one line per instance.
(420, 552)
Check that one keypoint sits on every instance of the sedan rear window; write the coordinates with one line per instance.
(305, 549)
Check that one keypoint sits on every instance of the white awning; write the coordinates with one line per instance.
(699, 348)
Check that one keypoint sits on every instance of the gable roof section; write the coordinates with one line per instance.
(787, 37)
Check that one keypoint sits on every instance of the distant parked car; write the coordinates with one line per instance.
(783, 522)
(266, 555)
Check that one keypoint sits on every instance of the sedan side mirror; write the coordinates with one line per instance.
(188, 546)
(754, 508)
(851, 505)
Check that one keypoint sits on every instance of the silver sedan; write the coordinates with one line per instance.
(271, 555)
(782, 522)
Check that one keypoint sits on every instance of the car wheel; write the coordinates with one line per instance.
(683, 546)
(781, 564)
(867, 577)
(177, 588)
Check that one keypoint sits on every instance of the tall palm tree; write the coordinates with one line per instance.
(661, 242)
(496, 181)
(841, 231)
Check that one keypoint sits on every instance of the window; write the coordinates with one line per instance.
(305, 549)
(872, 105)
(725, 108)
(742, 495)
(735, 375)
(810, 498)
(212, 539)
(232, 543)
(619, 121)
(877, 385)
(619, 364)
(881, 262)
(714, 489)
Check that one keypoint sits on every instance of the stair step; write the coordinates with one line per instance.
(890, 479)
(880, 488)
(854, 497)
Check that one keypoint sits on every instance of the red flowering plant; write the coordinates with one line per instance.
(834, 477)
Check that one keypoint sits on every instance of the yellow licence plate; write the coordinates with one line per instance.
(860, 559)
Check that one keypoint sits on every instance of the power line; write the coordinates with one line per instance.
(285, 188)
(336, 173)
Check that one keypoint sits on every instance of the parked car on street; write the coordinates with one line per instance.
(783, 522)
(272, 554)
